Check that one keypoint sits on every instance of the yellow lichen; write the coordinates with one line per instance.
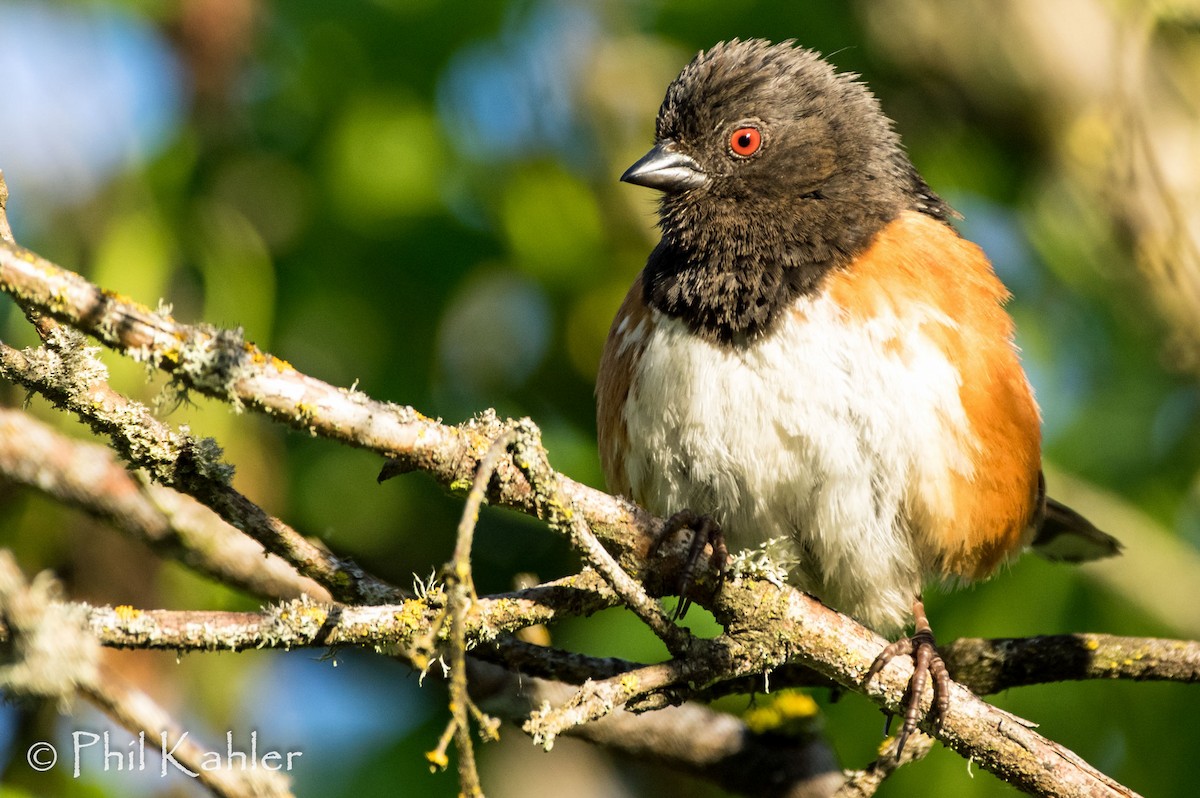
(126, 613)
(411, 618)
(314, 613)
(789, 713)
(437, 760)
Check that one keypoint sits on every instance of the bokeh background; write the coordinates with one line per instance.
(421, 198)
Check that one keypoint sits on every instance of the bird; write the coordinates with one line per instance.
(813, 353)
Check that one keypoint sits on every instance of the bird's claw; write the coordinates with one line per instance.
(927, 665)
(705, 530)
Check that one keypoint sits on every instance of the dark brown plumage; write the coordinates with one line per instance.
(766, 228)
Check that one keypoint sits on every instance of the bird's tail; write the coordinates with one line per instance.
(1066, 536)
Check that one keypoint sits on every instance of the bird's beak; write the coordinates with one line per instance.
(666, 169)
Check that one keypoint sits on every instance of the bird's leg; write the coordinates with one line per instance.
(705, 530)
(927, 664)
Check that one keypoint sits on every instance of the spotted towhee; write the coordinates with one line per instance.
(812, 352)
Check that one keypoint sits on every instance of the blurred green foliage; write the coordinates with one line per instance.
(420, 198)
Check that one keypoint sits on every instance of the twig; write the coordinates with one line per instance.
(138, 712)
(218, 363)
(460, 563)
(596, 699)
(573, 668)
(6, 234)
(54, 657)
(438, 758)
(223, 365)
(990, 666)
(301, 623)
(89, 477)
(546, 662)
(984, 666)
(555, 507)
(68, 375)
(48, 654)
(806, 631)
(865, 782)
(692, 739)
(994, 739)
(296, 624)
(460, 588)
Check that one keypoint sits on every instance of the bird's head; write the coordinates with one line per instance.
(775, 169)
(758, 136)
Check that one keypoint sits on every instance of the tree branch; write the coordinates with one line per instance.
(986, 667)
(865, 782)
(89, 477)
(54, 657)
(302, 623)
(766, 624)
(692, 739)
(137, 712)
(552, 504)
(983, 733)
(991, 666)
(6, 235)
(223, 365)
(460, 589)
(67, 374)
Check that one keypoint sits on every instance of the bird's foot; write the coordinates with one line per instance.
(705, 530)
(927, 666)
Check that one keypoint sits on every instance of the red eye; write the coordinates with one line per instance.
(745, 141)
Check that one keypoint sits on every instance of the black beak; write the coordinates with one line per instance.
(666, 169)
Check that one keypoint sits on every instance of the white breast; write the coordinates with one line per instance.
(817, 432)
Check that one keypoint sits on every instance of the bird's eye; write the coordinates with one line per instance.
(745, 141)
